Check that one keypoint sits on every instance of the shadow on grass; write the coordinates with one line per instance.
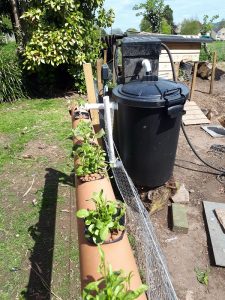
(43, 233)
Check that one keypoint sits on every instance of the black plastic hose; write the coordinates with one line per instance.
(171, 60)
(222, 171)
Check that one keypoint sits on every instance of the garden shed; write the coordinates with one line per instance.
(183, 48)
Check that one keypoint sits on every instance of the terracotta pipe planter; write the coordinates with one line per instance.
(118, 254)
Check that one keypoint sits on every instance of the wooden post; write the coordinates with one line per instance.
(177, 67)
(91, 91)
(105, 56)
(114, 71)
(213, 73)
(193, 80)
(99, 76)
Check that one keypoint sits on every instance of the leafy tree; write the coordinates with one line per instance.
(207, 25)
(168, 15)
(190, 26)
(221, 24)
(145, 25)
(117, 31)
(152, 10)
(64, 32)
(132, 30)
(166, 28)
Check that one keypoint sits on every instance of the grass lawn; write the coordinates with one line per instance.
(38, 246)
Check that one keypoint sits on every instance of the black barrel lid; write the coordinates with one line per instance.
(151, 93)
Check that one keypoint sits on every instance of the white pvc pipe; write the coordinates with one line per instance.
(112, 105)
(109, 130)
(98, 106)
(147, 65)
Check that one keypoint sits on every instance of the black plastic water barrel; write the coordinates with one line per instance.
(148, 123)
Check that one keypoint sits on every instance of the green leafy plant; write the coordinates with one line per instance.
(202, 276)
(207, 24)
(85, 131)
(64, 32)
(105, 219)
(116, 285)
(11, 86)
(91, 160)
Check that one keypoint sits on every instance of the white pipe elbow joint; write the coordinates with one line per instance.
(147, 65)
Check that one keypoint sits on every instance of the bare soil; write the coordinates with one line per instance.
(185, 252)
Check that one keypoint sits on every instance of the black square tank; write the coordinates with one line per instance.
(134, 50)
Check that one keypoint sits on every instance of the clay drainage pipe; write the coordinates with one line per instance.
(118, 254)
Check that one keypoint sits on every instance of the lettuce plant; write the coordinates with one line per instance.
(104, 219)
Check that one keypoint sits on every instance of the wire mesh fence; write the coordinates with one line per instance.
(150, 259)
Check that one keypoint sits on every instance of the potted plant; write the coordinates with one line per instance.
(114, 285)
(105, 223)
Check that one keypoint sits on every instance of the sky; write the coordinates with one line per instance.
(126, 17)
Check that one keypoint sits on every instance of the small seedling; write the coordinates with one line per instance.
(202, 276)
(105, 219)
(116, 285)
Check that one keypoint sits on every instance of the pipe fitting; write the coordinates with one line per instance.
(147, 65)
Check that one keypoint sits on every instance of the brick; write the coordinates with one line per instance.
(179, 214)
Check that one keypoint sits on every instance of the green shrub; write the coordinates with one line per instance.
(64, 32)
(11, 87)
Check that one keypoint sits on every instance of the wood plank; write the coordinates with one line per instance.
(191, 104)
(196, 122)
(216, 233)
(183, 45)
(213, 73)
(99, 76)
(193, 117)
(178, 51)
(165, 66)
(194, 112)
(165, 75)
(193, 80)
(89, 80)
(114, 71)
(179, 57)
(105, 56)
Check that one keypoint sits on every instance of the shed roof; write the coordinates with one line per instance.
(172, 38)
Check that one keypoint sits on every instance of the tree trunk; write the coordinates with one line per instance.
(17, 24)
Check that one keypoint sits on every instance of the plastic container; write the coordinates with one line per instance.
(148, 123)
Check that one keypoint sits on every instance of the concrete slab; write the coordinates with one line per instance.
(216, 233)
(214, 130)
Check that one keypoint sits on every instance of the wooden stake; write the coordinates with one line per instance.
(193, 80)
(99, 76)
(177, 67)
(105, 56)
(91, 91)
(114, 71)
(213, 73)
